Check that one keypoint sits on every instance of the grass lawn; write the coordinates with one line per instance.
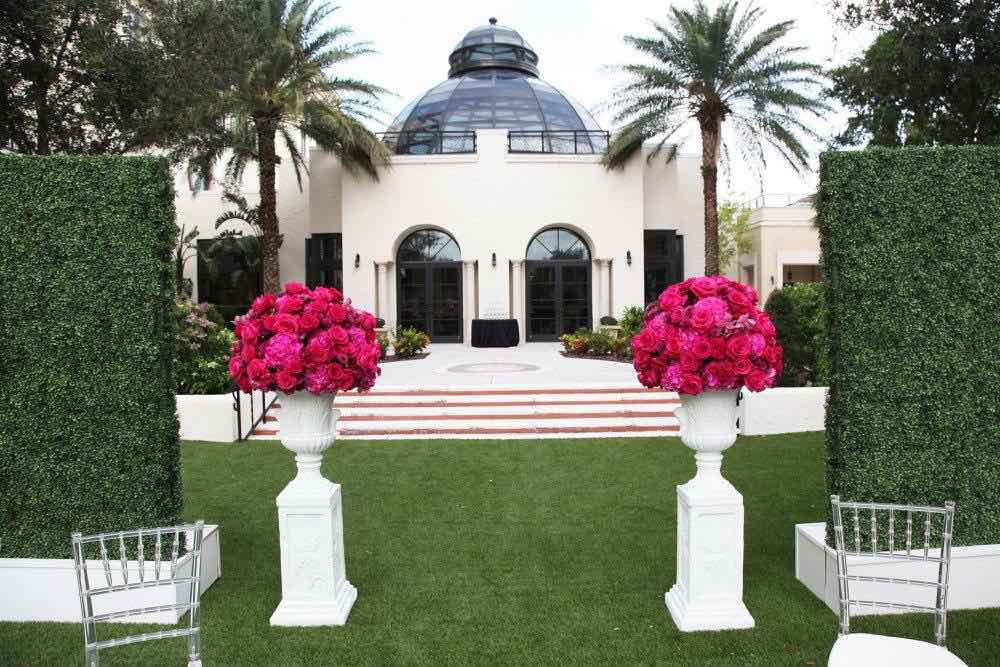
(506, 552)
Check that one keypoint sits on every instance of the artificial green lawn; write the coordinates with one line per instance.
(505, 552)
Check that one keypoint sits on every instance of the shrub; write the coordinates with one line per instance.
(87, 343)
(632, 320)
(410, 342)
(599, 343)
(383, 344)
(909, 241)
(575, 344)
(608, 321)
(799, 315)
(203, 344)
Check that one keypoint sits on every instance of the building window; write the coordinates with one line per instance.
(663, 254)
(229, 275)
(325, 261)
(197, 181)
(429, 285)
(801, 273)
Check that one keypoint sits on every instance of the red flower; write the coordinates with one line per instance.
(286, 324)
(286, 381)
(690, 384)
(308, 322)
(739, 346)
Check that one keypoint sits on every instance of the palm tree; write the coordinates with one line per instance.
(287, 90)
(713, 69)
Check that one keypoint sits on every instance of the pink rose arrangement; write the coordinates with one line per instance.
(304, 339)
(706, 333)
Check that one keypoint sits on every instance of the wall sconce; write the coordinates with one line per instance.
(494, 260)
(628, 257)
(357, 261)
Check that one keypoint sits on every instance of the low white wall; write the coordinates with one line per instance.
(45, 589)
(212, 417)
(973, 582)
(782, 410)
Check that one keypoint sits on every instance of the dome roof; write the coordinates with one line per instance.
(493, 83)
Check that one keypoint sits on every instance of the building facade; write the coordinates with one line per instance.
(785, 244)
(495, 204)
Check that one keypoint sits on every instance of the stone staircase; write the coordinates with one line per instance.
(492, 412)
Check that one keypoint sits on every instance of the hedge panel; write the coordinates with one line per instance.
(911, 249)
(88, 439)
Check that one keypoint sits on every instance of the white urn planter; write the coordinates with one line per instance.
(708, 593)
(314, 586)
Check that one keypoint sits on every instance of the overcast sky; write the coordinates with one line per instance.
(575, 40)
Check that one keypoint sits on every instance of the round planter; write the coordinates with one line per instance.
(708, 426)
(308, 428)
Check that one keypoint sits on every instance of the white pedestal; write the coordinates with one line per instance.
(314, 586)
(708, 594)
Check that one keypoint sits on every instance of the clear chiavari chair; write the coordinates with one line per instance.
(132, 560)
(913, 536)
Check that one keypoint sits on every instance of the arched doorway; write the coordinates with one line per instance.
(429, 286)
(557, 282)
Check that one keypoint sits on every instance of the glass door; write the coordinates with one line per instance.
(558, 298)
(430, 299)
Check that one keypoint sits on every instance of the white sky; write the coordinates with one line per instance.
(575, 40)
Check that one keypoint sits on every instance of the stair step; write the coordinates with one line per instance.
(483, 430)
(460, 414)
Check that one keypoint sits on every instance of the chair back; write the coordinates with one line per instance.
(909, 533)
(132, 560)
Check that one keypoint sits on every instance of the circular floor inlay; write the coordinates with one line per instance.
(492, 367)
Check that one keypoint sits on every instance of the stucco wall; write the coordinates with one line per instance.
(781, 235)
(672, 199)
(495, 202)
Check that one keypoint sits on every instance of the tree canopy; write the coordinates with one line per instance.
(932, 76)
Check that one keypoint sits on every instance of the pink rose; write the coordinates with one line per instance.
(704, 287)
(286, 381)
(262, 303)
(702, 348)
(764, 325)
(235, 367)
(308, 322)
(757, 344)
(739, 302)
(739, 346)
(248, 353)
(338, 335)
(669, 299)
(690, 384)
(756, 380)
(336, 312)
(649, 378)
(282, 350)
(286, 323)
(256, 369)
(742, 366)
(295, 288)
(719, 348)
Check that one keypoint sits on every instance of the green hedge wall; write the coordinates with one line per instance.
(911, 250)
(88, 431)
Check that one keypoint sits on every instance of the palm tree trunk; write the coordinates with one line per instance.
(270, 241)
(710, 137)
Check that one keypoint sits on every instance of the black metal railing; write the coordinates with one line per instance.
(430, 142)
(571, 142)
(255, 417)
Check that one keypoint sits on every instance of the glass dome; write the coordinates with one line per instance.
(493, 83)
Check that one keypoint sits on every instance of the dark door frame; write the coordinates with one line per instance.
(530, 264)
(429, 289)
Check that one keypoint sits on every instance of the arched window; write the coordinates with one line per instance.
(557, 243)
(429, 245)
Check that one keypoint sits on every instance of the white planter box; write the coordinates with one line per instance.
(212, 417)
(45, 589)
(974, 582)
(782, 410)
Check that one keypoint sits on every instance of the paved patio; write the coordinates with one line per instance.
(530, 365)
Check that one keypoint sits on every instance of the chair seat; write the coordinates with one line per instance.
(862, 650)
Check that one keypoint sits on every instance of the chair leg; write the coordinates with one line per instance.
(194, 650)
(90, 657)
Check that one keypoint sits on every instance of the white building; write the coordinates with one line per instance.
(495, 204)
(785, 244)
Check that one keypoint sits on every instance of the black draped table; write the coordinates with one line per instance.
(495, 333)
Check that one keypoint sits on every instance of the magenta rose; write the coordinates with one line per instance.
(756, 380)
(739, 346)
(286, 323)
(690, 384)
(308, 322)
(292, 288)
(704, 287)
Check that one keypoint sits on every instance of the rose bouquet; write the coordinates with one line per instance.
(304, 339)
(706, 333)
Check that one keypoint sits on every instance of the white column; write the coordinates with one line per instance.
(468, 299)
(390, 295)
(600, 290)
(380, 290)
(517, 297)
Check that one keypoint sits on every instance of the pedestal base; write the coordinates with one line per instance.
(715, 617)
(291, 613)
(708, 594)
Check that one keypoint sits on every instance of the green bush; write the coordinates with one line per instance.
(88, 434)
(410, 342)
(632, 320)
(911, 240)
(599, 343)
(383, 344)
(203, 345)
(799, 315)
